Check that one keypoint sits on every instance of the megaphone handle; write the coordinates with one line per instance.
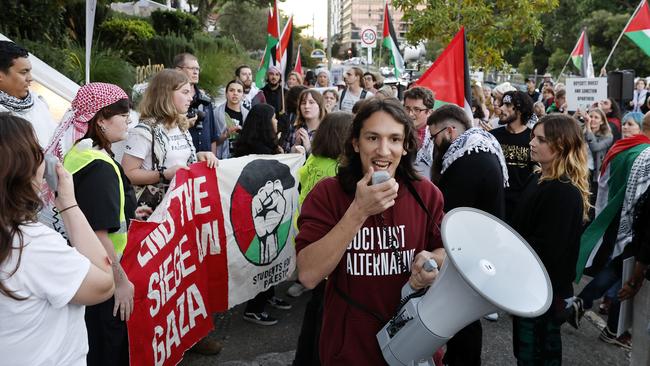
(428, 266)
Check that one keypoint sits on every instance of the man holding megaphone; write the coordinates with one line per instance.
(369, 230)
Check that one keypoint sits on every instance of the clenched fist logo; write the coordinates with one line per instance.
(264, 189)
(268, 209)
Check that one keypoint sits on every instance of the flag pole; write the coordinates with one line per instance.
(584, 30)
(381, 45)
(620, 36)
(564, 67)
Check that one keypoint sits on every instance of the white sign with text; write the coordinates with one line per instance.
(583, 92)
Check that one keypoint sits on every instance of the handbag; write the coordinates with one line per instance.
(150, 195)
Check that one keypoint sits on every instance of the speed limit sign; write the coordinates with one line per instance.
(368, 37)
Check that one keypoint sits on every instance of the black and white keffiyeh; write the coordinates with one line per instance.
(475, 140)
(637, 183)
(14, 104)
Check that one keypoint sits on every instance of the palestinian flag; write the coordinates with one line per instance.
(298, 66)
(272, 39)
(390, 42)
(581, 56)
(639, 28)
(448, 77)
(612, 185)
(284, 52)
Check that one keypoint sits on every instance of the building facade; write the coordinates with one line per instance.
(354, 14)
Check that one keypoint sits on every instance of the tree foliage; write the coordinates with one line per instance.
(174, 23)
(252, 35)
(203, 8)
(492, 27)
(34, 20)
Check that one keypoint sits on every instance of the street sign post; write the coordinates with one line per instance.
(368, 37)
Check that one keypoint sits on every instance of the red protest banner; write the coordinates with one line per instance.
(168, 262)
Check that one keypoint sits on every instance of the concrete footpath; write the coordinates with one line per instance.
(247, 344)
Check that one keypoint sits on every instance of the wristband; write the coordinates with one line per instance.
(161, 173)
(67, 208)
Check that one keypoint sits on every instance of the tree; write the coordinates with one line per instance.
(253, 35)
(556, 61)
(492, 26)
(34, 20)
(206, 7)
(526, 65)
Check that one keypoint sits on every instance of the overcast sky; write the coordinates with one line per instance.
(304, 10)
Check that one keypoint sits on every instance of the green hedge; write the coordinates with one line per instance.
(162, 49)
(126, 35)
(174, 23)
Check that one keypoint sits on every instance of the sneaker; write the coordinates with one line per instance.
(278, 303)
(262, 318)
(492, 317)
(576, 313)
(603, 308)
(624, 341)
(207, 347)
(296, 289)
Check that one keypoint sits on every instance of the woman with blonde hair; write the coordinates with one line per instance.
(599, 138)
(161, 143)
(553, 208)
(311, 110)
(293, 79)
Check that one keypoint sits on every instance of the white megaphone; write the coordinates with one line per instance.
(489, 266)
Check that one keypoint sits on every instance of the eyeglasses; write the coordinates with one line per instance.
(433, 137)
(197, 69)
(416, 110)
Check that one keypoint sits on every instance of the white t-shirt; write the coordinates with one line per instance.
(349, 100)
(40, 118)
(44, 329)
(178, 145)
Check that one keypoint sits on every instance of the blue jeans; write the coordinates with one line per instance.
(607, 280)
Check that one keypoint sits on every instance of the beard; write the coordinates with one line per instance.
(506, 120)
(438, 153)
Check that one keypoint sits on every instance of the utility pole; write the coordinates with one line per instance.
(329, 34)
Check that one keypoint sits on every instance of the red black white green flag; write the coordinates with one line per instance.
(448, 77)
(272, 39)
(581, 56)
(284, 50)
(390, 42)
(298, 66)
(639, 28)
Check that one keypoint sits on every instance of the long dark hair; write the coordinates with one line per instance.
(19, 200)
(615, 110)
(95, 132)
(257, 135)
(350, 170)
(329, 140)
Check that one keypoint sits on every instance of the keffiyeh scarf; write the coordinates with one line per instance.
(475, 140)
(14, 104)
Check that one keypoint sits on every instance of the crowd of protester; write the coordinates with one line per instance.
(563, 179)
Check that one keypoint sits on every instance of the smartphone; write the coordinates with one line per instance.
(380, 177)
(51, 178)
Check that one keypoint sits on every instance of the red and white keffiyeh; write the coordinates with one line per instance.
(89, 100)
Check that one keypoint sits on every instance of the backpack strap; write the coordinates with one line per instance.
(342, 97)
(417, 197)
(356, 304)
(363, 94)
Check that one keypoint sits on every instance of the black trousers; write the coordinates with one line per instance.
(307, 349)
(108, 342)
(258, 303)
(464, 348)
